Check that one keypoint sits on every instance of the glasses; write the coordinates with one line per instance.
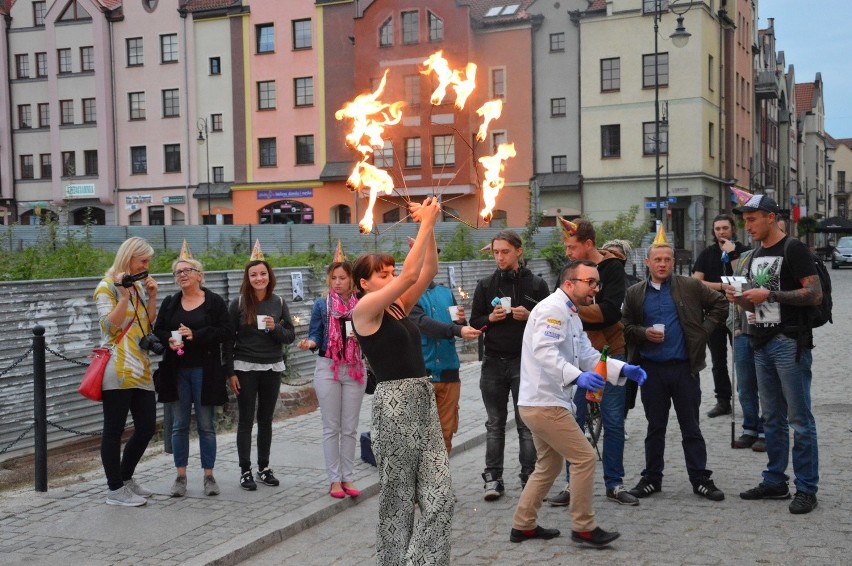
(592, 283)
(187, 271)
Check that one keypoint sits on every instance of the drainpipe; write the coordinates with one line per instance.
(14, 205)
(188, 178)
(115, 199)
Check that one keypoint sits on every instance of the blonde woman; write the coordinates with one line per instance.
(125, 318)
(191, 373)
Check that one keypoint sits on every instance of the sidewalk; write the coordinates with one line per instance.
(73, 525)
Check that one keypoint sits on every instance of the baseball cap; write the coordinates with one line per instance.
(759, 202)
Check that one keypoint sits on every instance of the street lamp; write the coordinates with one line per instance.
(679, 38)
(806, 196)
(203, 139)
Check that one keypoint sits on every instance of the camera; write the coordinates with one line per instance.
(129, 280)
(152, 343)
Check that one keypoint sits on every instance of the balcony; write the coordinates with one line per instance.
(767, 85)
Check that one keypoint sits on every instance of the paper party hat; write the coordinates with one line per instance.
(569, 229)
(256, 252)
(184, 251)
(661, 235)
(338, 253)
(740, 195)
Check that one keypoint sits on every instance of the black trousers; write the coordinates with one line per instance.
(142, 406)
(258, 389)
(718, 344)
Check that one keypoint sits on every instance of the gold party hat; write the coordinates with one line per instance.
(661, 235)
(256, 252)
(184, 251)
(338, 253)
(569, 228)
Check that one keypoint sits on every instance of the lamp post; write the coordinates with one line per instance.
(806, 196)
(680, 37)
(203, 139)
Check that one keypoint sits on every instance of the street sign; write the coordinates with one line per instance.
(654, 204)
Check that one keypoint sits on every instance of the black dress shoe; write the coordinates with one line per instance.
(722, 408)
(518, 535)
(597, 537)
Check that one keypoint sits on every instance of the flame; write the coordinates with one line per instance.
(463, 294)
(462, 81)
(489, 111)
(378, 180)
(297, 320)
(494, 166)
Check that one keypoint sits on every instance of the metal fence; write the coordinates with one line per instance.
(65, 309)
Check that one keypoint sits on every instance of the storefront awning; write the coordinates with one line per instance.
(553, 182)
(217, 190)
(337, 170)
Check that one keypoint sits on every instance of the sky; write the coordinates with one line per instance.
(815, 38)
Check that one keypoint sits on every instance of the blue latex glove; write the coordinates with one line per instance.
(634, 373)
(590, 380)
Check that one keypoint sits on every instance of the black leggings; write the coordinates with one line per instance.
(141, 404)
(258, 388)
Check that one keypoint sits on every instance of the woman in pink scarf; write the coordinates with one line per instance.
(339, 377)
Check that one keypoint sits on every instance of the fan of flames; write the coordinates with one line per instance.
(370, 116)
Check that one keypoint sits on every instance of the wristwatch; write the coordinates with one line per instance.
(772, 298)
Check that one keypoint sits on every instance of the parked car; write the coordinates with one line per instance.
(842, 253)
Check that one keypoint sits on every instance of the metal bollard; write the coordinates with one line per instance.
(40, 409)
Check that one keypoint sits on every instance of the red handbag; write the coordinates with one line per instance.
(91, 387)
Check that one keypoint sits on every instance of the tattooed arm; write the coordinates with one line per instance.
(809, 294)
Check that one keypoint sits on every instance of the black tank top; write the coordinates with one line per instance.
(394, 350)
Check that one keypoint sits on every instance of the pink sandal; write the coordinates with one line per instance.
(339, 494)
(351, 491)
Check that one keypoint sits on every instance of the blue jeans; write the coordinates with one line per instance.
(747, 386)
(785, 395)
(189, 394)
(498, 379)
(612, 418)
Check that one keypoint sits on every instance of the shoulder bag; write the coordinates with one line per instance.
(93, 379)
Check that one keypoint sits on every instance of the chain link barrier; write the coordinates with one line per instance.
(66, 358)
(18, 361)
(22, 435)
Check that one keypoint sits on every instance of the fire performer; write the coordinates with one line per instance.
(407, 442)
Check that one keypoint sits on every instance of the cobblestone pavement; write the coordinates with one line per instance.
(299, 523)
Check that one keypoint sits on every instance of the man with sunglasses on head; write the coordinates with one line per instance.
(602, 322)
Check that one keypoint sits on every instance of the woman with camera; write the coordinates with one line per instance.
(194, 323)
(339, 378)
(263, 325)
(125, 320)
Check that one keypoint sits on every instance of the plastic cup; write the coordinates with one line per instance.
(349, 331)
(261, 322)
(176, 336)
(660, 328)
(506, 302)
(751, 317)
(738, 288)
(454, 312)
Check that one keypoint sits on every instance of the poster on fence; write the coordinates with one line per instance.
(451, 271)
(298, 291)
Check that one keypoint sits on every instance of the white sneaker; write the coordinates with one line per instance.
(124, 497)
(138, 489)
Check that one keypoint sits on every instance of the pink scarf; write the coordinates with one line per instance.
(338, 352)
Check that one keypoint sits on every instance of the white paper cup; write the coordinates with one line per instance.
(261, 322)
(506, 302)
(349, 331)
(454, 312)
(176, 336)
(738, 288)
(660, 328)
(750, 317)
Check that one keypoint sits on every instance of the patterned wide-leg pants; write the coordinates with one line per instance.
(413, 468)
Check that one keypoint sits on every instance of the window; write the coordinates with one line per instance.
(611, 74)
(386, 33)
(156, 216)
(46, 169)
(497, 138)
(611, 141)
(265, 38)
(134, 52)
(268, 152)
(648, 70)
(90, 158)
(219, 174)
(169, 48)
(41, 64)
(215, 66)
(135, 219)
(27, 167)
(266, 95)
(139, 160)
(650, 6)
(391, 217)
(43, 115)
(436, 28)
(498, 83)
(87, 58)
(304, 91)
(384, 157)
(215, 122)
(304, 150)
(64, 57)
(412, 152)
(302, 34)
(171, 103)
(411, 84)
(73, 12)
(90, 114)
(25, 116)
(559, 163)
(22, 66)
(711, 72)
(711, 139)
(69, 164)
(558, 107)
(172, 154)
(66, 112)
(557, 41)
(649, 138)
(136, 102)
(39, 10)
(443, 150)
(410, 27)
